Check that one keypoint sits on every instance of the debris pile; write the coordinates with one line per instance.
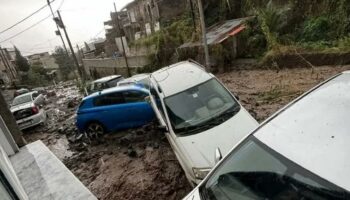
(132, 164)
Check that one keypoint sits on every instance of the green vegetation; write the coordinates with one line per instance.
(165, 42)
(21, 62)
(65, 63)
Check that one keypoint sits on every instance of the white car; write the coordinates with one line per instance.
(27, 109)
(199, 116)
(301, 152)
(139, 79)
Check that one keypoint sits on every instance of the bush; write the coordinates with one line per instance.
(316, 29)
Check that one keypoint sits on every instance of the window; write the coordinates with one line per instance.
(35, 95)
(254, 171)
(134, 96)
(157, 100)
(192, 110)
(21, 100)
(114, 82)
(109, 99)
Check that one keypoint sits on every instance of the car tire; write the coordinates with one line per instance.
(95, 130)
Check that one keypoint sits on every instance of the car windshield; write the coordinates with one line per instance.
(200, 108)
(254, 171)
(22, 99)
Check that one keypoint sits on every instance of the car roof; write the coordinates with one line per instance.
(115, 89)
(135, 78)
(190, 74)
(314, 131)
(28, 93)
(106, 79)
(22, 89)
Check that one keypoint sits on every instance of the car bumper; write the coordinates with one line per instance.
(32, 120)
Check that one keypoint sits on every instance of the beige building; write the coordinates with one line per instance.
(44, 59)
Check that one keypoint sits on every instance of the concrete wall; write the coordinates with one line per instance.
(110, 66)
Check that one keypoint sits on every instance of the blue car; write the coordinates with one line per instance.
(114, 109)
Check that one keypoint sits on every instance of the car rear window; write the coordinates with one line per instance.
(109, 99)
(134, 96)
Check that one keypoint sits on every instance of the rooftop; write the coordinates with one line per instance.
(188, 72)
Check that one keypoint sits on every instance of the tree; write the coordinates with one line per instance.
(21, 62)
(64, 61)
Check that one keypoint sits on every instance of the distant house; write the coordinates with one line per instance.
(149, 16)
(48, 62)
(140, 18)
(44, 59)
(94, 49)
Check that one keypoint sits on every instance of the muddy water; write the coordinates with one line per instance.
(61, 148)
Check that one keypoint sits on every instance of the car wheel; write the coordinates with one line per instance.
(95, 130)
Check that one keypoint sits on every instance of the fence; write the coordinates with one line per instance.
(110, 66)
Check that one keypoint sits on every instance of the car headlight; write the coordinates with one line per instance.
(201, 173)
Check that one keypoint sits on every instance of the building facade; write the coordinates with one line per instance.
(44, 59)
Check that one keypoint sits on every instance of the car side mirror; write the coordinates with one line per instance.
(218, 155)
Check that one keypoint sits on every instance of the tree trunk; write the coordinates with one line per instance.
(11, 122)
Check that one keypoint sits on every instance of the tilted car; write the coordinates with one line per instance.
(198, 115)
(114, 109)
(28, 109)
(301, 152)
(103, 83)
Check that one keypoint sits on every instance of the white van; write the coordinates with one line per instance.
(301, 152)
(199, 115)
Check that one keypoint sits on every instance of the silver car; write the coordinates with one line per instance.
(301, 152)
(28, 110)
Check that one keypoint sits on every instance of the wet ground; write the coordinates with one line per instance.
(139, 164)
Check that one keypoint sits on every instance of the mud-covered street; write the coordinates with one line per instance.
(139, 164)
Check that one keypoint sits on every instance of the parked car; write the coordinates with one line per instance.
(114, 109)
(301, 152)
(28, 111)
(103, 83)
(198, 115)
(139, 79)
(20, 92)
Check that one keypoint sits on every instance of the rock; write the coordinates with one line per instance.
(126, 140)
(132, 153)
(72, 103)
(51, 93)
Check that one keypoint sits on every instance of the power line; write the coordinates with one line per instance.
(41, 8)
(33, 25)
(7, 39)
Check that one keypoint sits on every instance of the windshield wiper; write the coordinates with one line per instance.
(226, 115)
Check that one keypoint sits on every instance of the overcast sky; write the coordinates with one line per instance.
(83, 19)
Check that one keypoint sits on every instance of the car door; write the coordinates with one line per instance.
(110, 109)
(139, 111)
(157, 105)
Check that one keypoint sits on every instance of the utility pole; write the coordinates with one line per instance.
(204, 35)
(10, 122)
(7, 65)
(121, 36)
(60, 23)
(193, 15)
(58, 29)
